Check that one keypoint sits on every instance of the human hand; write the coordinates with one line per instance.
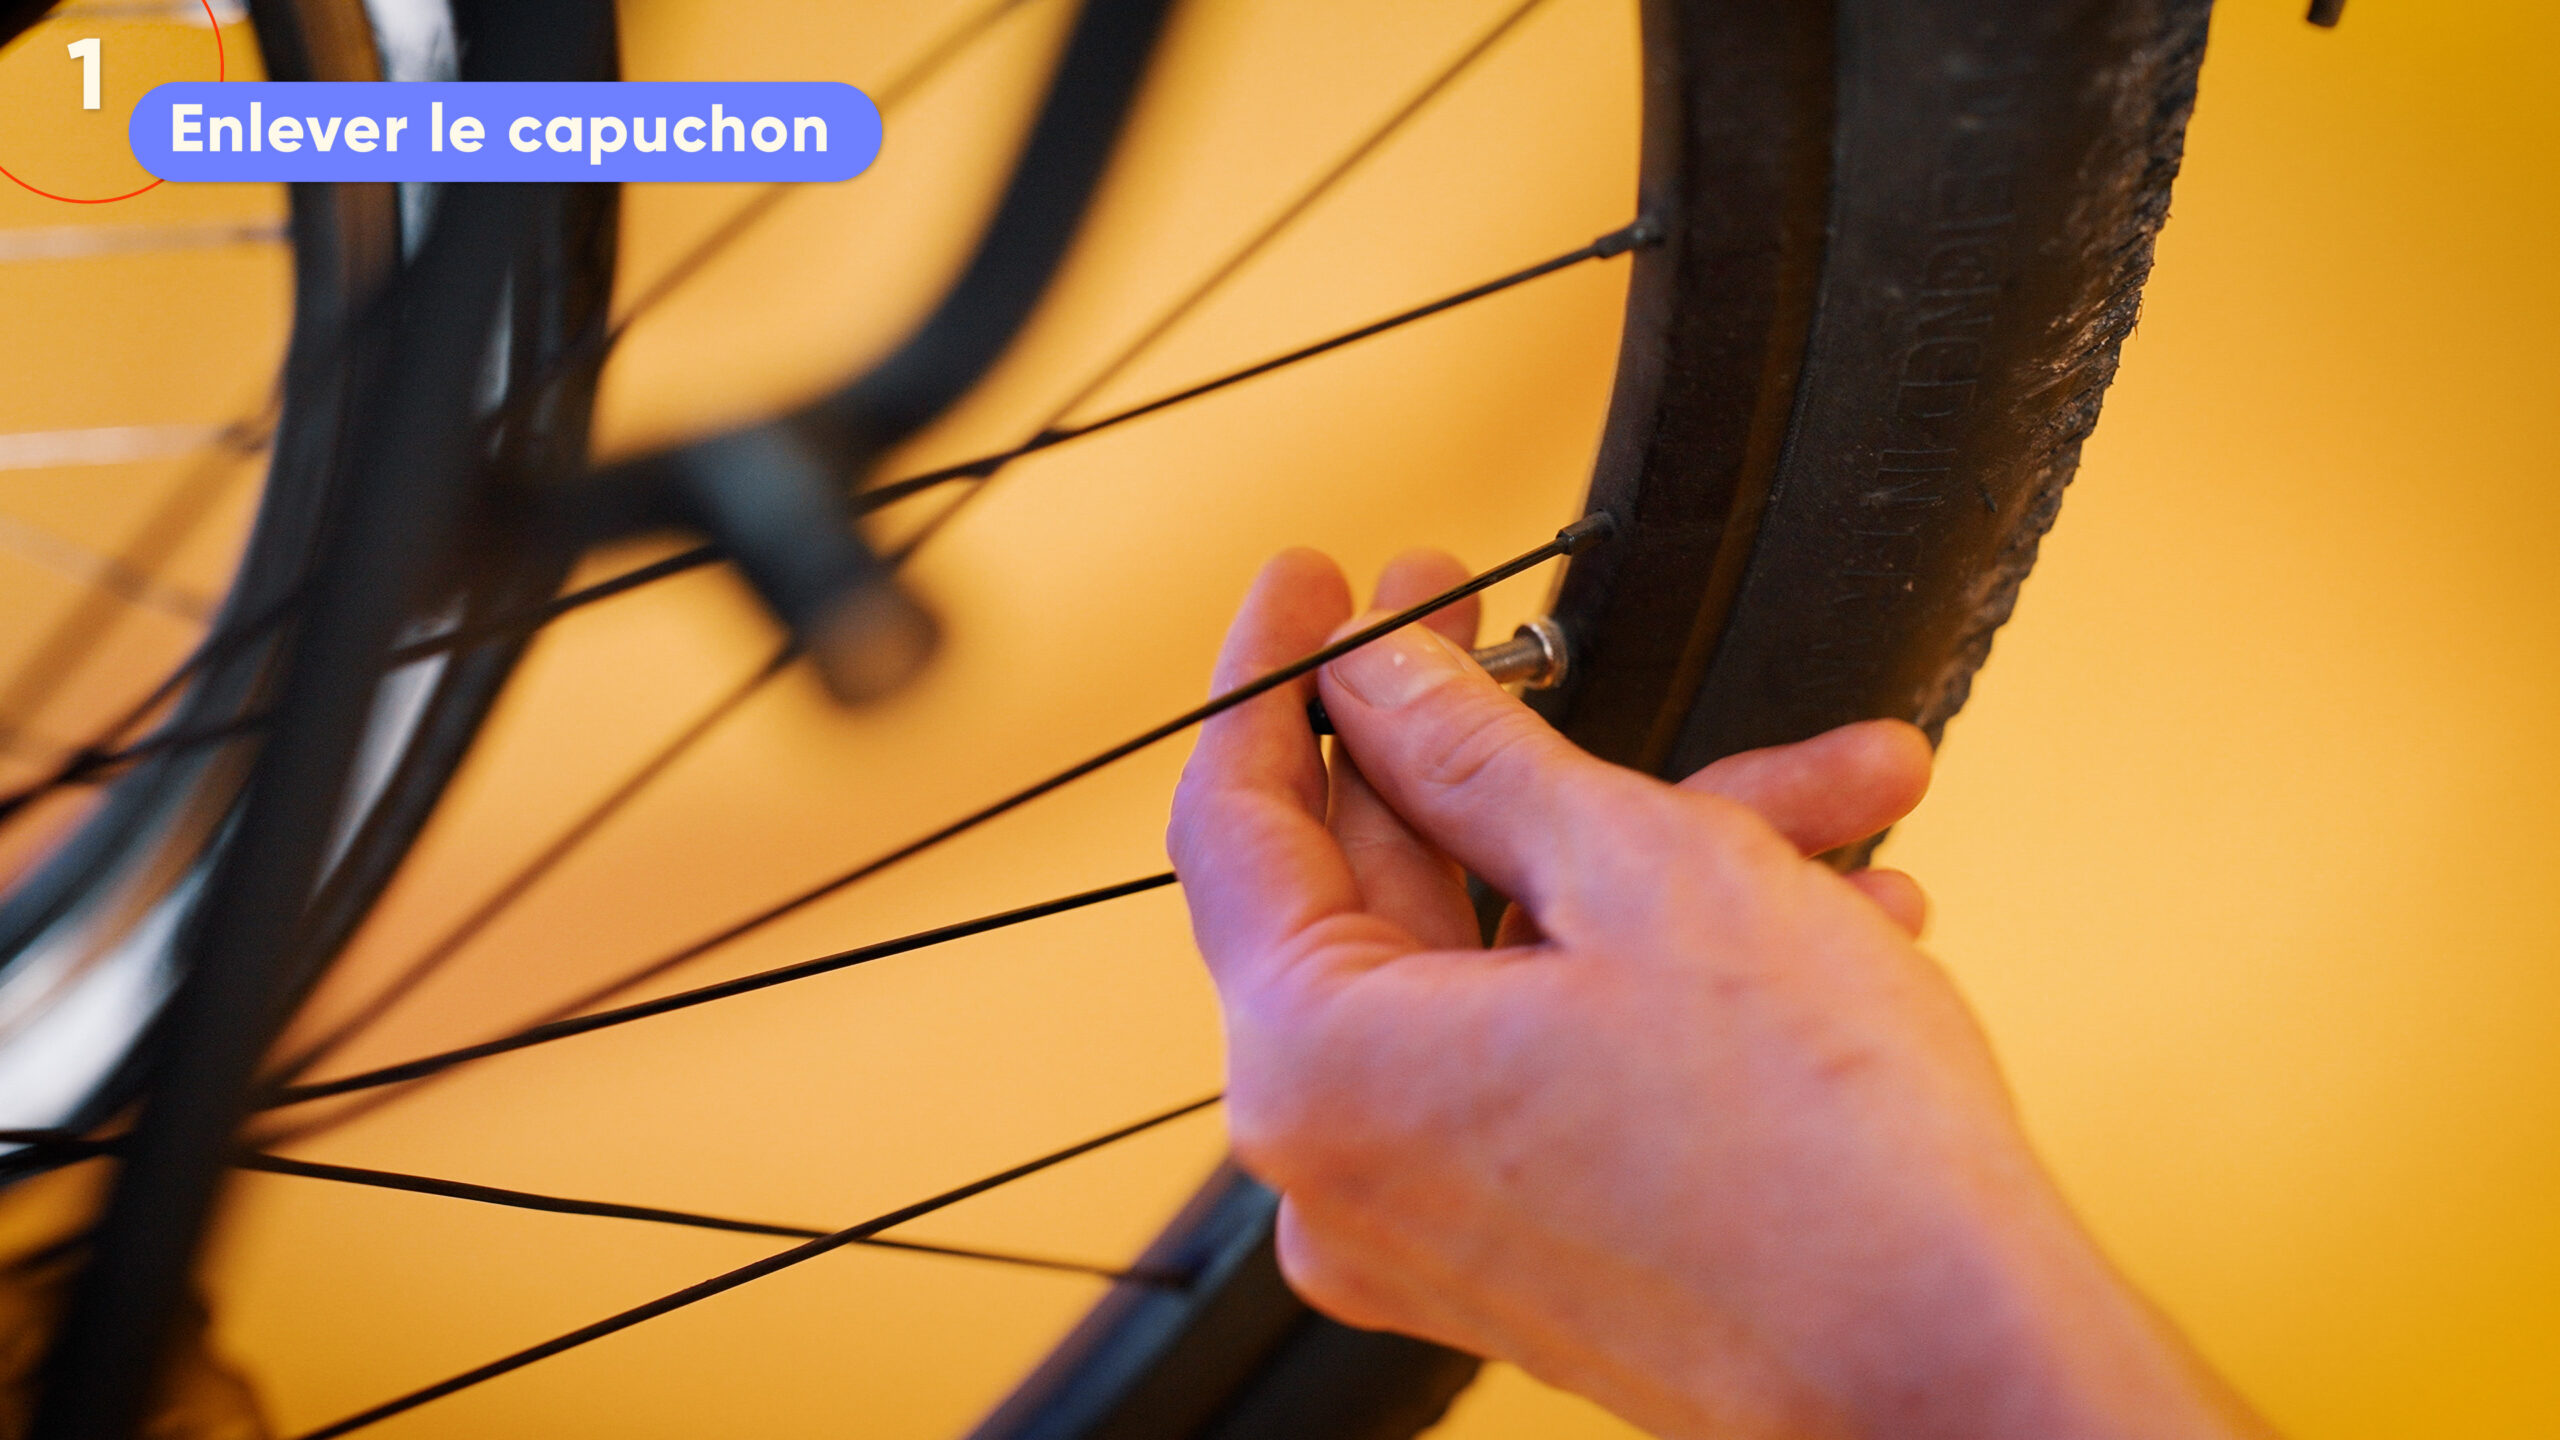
(1704, 1136)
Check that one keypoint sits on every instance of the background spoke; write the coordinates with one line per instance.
(731, 1280)
(73, 639)
(563, 1205)
(1237, 259)
(533, 871)
(572, 1023)
(1572, 539)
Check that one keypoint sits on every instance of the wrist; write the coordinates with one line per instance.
(2011, 1325)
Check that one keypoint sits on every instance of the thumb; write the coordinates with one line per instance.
(1473, 769)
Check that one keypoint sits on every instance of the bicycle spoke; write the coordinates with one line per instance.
(508, 626)
(729, 231)
(1633, 236)
(122, 444)
(93, 765)
(517, 885)
(73, 639)
(919, 72)
(572, 1023)
(1636, 235)
(1054, 430)
(954, 43)
(89, 760)
(82, 242)
(1298, 206)
(102, 756)
(107, 445)
(1254, 244)
(732, 1279)
(563, 1205)
(1133, 1274)
(43, 548)
(746, 217)
(1578, 536)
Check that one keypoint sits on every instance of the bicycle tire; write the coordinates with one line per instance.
(1774, 574)
(334, 507)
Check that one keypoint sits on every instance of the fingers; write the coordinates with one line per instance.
(1897, 895)
(1401, 876)
(1248, 836)
(1416, 576)
(1473, 771)
(1516, 928)
(1835, 789)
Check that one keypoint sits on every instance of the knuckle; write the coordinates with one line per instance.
(1489, 743)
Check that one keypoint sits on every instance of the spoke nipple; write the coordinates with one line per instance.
(1645, 233)
(1586, 532)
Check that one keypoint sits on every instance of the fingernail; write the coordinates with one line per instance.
(1395, 668)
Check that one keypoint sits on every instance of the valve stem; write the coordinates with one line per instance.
(1534, 658)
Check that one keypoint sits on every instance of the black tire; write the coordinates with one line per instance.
(1905, 239)
(382, 507)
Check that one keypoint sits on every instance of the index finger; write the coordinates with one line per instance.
(1248, 834)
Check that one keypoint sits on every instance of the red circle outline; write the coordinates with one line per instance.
(221, 71)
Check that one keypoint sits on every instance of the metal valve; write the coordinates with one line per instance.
(1534, 658)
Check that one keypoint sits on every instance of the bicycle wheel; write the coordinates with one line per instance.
(1885, 256)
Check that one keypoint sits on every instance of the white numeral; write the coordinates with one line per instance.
(86, 52)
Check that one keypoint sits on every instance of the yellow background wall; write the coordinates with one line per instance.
(2238, 847)
(2241, 847)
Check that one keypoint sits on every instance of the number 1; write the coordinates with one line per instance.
(86, 52)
